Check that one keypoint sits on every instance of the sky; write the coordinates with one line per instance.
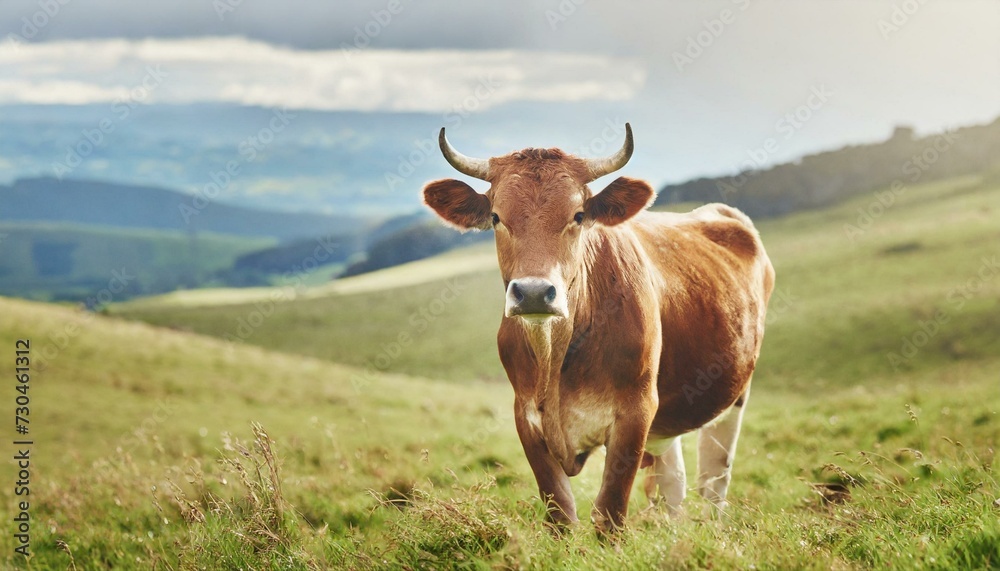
(708, 83)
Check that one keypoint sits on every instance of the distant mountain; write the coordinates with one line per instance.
(61, 239)
(353, 163)
(99, 203)
(825, 178)
(421, 238)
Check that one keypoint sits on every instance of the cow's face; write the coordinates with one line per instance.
(540, 208)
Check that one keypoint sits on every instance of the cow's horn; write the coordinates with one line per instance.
(601, 167)
(478, 168)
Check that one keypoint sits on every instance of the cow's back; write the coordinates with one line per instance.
(715, 279)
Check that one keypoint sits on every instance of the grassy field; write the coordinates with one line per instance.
(324, 438)
(448, 306)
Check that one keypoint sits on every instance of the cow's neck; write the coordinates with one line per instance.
(549, 341)
(588, 305)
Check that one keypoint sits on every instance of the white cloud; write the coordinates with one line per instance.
(57, 91)
(237, 70)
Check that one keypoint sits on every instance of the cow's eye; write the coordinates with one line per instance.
(578, 218)
(496, 219)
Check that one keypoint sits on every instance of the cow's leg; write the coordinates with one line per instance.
(665, 479)
(716, 450)
(625, 448)
(553, 483)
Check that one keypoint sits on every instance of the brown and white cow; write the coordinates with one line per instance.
(623, 328)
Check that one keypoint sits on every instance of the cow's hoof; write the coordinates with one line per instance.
(613, 537)
(559, 529)
(607, 531)
(659, 504)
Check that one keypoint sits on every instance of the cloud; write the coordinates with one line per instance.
(248, 72)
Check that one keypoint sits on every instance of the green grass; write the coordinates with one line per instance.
(138, 436)
(148, 455)
(448, 325)
(122, 408)
(155, 261)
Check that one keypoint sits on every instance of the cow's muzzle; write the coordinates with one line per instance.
(533, 298)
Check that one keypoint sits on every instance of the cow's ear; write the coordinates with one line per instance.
(458, 204)
(622, 199)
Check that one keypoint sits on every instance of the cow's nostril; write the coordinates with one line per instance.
(532, 297)
(550, 294)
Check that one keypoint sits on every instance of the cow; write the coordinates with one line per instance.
(622, 327)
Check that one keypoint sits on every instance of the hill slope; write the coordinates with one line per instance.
(869, 280)
(151, 429)
(831, 177)
(138, 406)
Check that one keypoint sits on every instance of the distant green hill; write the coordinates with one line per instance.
(104, 203)
(65, 237)
(827, 178)
(416, 242)
(71, 262)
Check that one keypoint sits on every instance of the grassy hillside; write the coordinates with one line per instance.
(829, 177)
(446, 309)
(56, 261)
(852, 290)
(130, 422)
(148, 455)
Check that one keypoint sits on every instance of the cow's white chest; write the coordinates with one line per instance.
(587, 424)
